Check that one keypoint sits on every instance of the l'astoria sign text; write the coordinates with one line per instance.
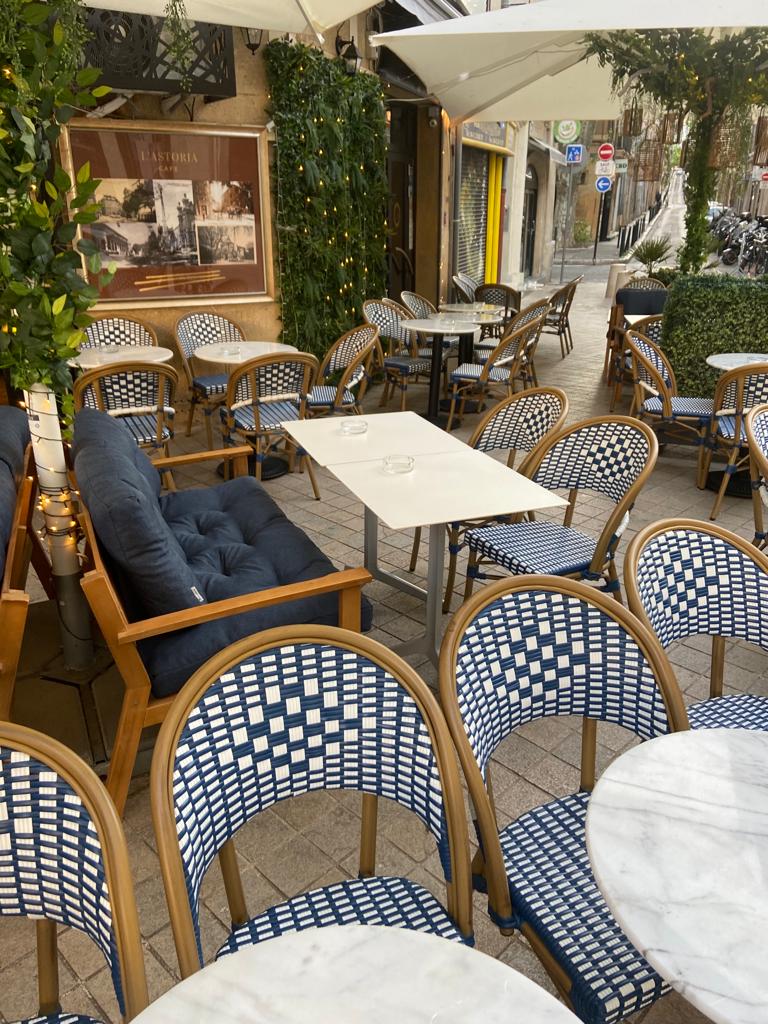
(180, 210)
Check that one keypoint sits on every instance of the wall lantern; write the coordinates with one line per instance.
(252, 37)
(347, 51)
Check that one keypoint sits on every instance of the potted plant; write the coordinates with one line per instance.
(652, 252)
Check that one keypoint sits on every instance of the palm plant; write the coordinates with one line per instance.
(652, 252)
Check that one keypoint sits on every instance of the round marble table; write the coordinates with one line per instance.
(105, 355)
(677, 833)
(470, 307)
(734, 360)
(229, 353)
(438, 326)
(355, 973)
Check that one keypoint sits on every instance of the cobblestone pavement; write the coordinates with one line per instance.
(312, 841)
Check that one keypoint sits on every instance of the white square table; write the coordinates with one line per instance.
(445, 486)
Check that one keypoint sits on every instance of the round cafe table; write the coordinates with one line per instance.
(341, 975)
(735, 360)
(226, 353)
(470, 307)
(677, 833)
(105, 355)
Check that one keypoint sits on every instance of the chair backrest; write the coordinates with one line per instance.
(535, 312)
(193, 330)
(500, 295)
(118, 330)
(559, 299)
(464, 289)
(350, 355)
(285, 377)
(515, 350)
(648, 284)
(520, 422)
(685, 577)
(388, 317)
(756, 425)
(132, 387)
(650, 327)
(417, 305)
(652, 372)
(63, 855)
(287, 712)
(740, 390)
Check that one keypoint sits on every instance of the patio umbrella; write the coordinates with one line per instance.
(474, 65)
(314, 16)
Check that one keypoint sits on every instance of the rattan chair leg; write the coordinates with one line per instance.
(470, 581)
(369, 819)
(451, 411)
(233, 884)
(402, 397)
(717, 667)
(613, 577)
(47, 967)
(208, 428)
(415, 549)
(727, 474)
(703, 464)
(588, 753)
(757, 505)
(191, 415)
(129, 729)
(311, 473)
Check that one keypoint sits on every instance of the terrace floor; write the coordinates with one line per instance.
(313, 840)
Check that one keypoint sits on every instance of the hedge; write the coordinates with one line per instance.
(712, 313)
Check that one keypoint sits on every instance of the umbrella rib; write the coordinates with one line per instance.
(310, 23)
(509, 62)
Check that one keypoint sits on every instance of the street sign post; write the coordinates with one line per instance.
(606, 151)
(567, 131)
(605, 168)
(574, 154)
(603, 184)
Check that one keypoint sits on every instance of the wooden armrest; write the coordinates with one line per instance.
(349, 579)
(176, 461)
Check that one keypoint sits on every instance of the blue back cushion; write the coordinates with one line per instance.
(14, 438)
(642, 301)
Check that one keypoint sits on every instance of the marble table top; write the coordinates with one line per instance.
(677, 833)
(470, 307)
(344, 975)
(233, 353)
(733, 360)
(106, 355)
(440, 324)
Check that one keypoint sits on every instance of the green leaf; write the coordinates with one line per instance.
(58, 34)
(61, 179)
(84, 173)
(101, 90)
(59, 304)
(25, 168)
(51, 189)
(87, 76)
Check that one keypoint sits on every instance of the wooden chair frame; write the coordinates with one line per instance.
(459, 890)
(463, 288)
(603, 564)
(125, 920)
(363, 358)
(729, 448)
(408, 348)
(151, 333)
(207, 404)
(558, 320)
(489, 861)
(632, 557)
(140, 709)
(621, 374)
(513, 301)
(758, 469)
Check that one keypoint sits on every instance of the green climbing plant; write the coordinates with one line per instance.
(331, 192)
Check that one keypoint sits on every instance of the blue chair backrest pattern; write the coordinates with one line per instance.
(692, 582)
(197, 329)
(290, 720)
(131, 389)
(116, 330)
(283, 378)
(421, 308)
(520, 424)
(51, 863)
(353, 343)
(389, 321)
(535, 653)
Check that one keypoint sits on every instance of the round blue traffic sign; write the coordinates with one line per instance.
(603, 184)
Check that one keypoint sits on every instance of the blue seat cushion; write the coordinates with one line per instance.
(14, 438)
(642, 301)
(143, 428)
(212, 384)
(235, 540)
(683, 407)
(537, 547)
(323, 395)
(552, 889)
(60, 1018)
(734, 711)
(97, 429)
(391, 902)
(726, 426)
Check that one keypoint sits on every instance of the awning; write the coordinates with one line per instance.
(554, 154)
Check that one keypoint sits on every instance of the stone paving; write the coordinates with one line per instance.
(312, 841)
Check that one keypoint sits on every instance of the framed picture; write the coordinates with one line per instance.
(183, 208)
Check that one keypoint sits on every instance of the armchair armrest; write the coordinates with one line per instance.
(221, 454)
(349, 580)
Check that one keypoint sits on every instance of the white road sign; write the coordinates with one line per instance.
(605, 168)
(622, 165)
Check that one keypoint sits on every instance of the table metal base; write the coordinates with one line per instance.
(271, 468)
(429, 642)
(739, 485)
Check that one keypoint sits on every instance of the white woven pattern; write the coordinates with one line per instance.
(116, 330)
(197, 329)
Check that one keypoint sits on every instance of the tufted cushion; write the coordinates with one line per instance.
(642, 301)
(14, 438)
(95, 429)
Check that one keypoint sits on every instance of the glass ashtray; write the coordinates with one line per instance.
(353, 426)
(232, 350)
(398, 464)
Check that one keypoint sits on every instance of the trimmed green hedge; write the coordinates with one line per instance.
(712, 313)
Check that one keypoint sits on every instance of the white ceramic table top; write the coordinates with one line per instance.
(105, 355)
(387, 433)
(443, 488)
(733, 360)
(233, 353)
(677, 832)
(470, 307)
(355, 974)
(441, 325)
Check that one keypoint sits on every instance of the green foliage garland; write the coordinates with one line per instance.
(331, 192)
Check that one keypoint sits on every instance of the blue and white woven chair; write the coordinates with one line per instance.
(736, 393)
(688, 578)
(559, 317)
(651, 327)
(756, 427)
(612, 456)
(140, 395)
(291, 711)
(348, 364)
(194, 330)
(262, 395)
(519, 651)
(117, 330)
(518, 424)
(403, 360)
(465, 287)
(509, 301)
(64, 861)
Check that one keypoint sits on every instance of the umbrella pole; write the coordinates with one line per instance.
(456, 202)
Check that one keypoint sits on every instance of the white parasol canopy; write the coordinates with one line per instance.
(476, 66)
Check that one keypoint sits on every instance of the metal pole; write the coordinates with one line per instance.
(456, 217)
(565, 222)
(597, 228)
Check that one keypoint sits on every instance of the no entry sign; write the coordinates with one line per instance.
(606, 151)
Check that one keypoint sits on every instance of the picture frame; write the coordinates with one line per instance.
(185, 209)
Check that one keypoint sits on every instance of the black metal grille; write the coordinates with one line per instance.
(132, 51)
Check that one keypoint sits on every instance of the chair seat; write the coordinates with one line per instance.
(394, 902)
(271, 415)
(682, 407)
(537, 547)
(143, 428)
(407, 366)
(726, 427)
(734, 711)
(214, 384)
(323, 395)
(552, 888)
(59, 1018)
(471, 371)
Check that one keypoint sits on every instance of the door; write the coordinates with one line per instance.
(401, 213)
(473, 212)
(530, 204)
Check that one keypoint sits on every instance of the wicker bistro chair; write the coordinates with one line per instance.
(465, 287)
(117, 330)
(640, 301)
(508, 299)
(651, 327)
(756, 427)
(193, 330)
(348, 364)
(648, 284)
(511, 360)
(403, 361)
(291, 711)
(736, 393)
(517, 652)
(613, 456)
(64, 861)
(518, 424)
(558, 319)
(262, 395)
(688, 578)
(140, 395)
